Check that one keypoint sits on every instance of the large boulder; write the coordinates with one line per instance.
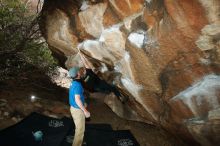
(165, 54)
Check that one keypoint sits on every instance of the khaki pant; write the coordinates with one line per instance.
(79, 120)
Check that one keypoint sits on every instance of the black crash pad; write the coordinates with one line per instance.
(59, 132)
(103, 135)
(21, 134)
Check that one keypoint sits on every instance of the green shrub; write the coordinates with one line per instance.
(20, 34)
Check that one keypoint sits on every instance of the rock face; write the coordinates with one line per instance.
(34, 6)
(164, 53)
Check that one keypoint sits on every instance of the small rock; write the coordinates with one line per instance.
(38, 105)
(2, 104)
(47, 113)
(58, 110)
(19, 119)
(6, 114)
(3, 100)
(53, 116)
(67, 115)
(14, 119)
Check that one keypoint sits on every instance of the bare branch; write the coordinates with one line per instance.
(8, 52)
(38, 6)
(26, 4)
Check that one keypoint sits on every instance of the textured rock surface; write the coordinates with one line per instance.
(164, 53)
(34, 6)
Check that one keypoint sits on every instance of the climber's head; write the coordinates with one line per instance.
(77, 72)
(73, 71)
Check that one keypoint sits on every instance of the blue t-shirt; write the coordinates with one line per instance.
(75, 88)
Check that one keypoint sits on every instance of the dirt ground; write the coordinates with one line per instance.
(15, 104)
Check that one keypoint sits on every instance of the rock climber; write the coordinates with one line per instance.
(93, 83)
